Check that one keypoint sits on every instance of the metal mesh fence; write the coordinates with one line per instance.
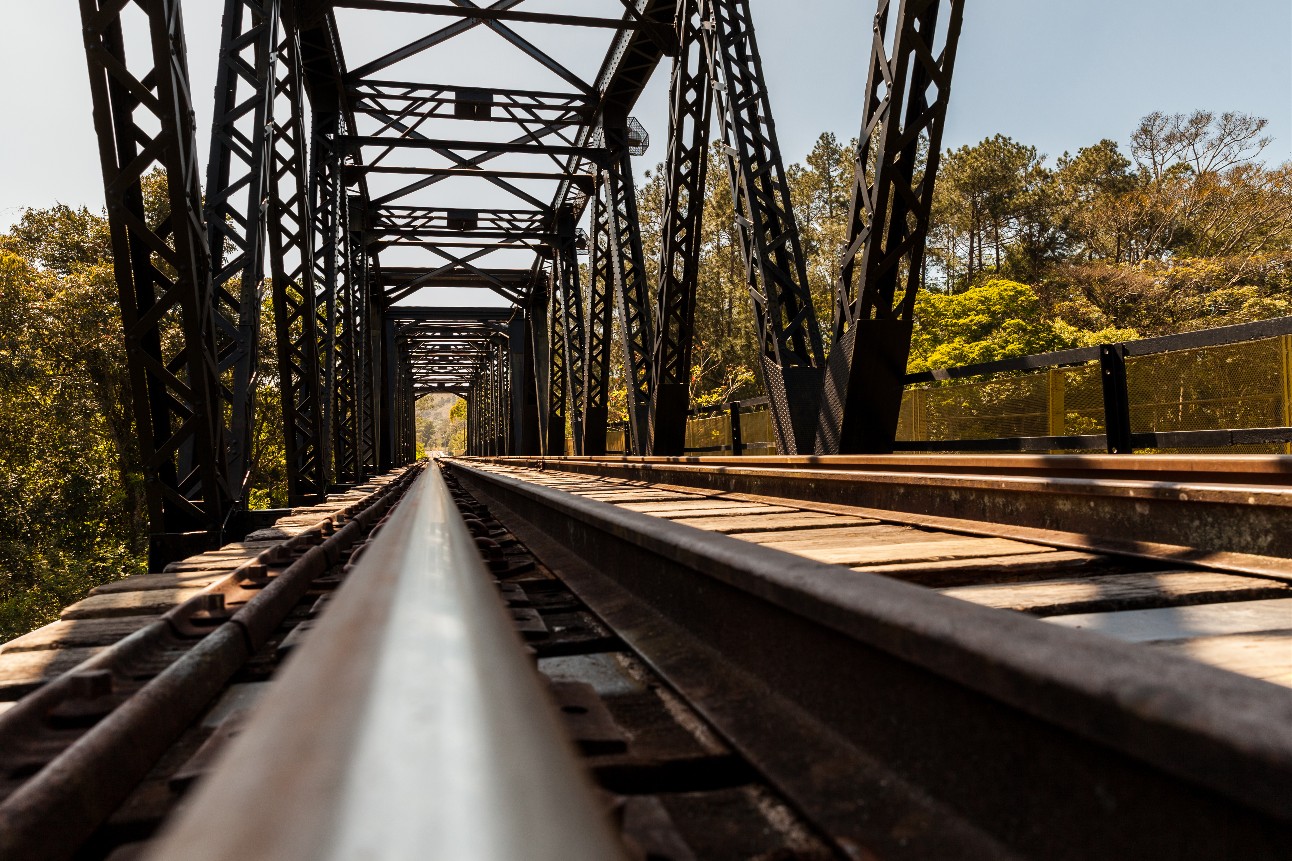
(1246, 385)
(757, 433)
(1232, 386)
(709, 434)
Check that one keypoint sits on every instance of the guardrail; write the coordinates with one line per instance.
(1232, 383)
(410, 724)
(1236, 379)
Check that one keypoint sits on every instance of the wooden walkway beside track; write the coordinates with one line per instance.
(1235, 621)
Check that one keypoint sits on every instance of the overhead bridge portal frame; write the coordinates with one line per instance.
(326, 185)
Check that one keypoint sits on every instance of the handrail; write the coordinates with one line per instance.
(1118, 437)
(409, 725)
(1217, 337)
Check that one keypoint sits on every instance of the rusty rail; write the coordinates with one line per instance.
(111, 718)
(1225, 513)
(409, 725)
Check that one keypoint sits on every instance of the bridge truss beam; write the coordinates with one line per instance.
(353, 359)
(143, 119)
(685, 176)
(237, 186)
(776, 269)
(291, 253)
(883, 261)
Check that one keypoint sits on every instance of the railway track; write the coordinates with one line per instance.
(896, 714)
(110, 713)
(1214, 599)
(762, 658)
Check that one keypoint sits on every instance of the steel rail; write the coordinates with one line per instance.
(1230, 468)
(1203, 518)
(57, 809)
(410, 725)
(907, 724)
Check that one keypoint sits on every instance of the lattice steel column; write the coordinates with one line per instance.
(540, 331)
(489, 400)
(503, 388)
(345, 426)
(473, 416)
(237, 182)
(599, 325)
(370, 385)
(556, 371)
(407, 414)
(291, 255)
(889, 225)
(174, 382)
(685, 172)
(632, 292)
(325, 208)
(571, 304)
(776, 269)
(389, 372)
(352, 276)
(520, 384)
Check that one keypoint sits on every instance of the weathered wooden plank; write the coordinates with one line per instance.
(619, 496)
(953, 547)
(171, 580)
(661, 509)
(1137, 591)
(722, 512)
(1266, 656)
(1186, 623)
(846, 537)
(77, 633)
(997, 569)
(128, 603)
(746, 525)
(22, 672)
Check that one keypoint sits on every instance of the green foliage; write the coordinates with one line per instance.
(441, 424)
(998, 320)
(72, 507)
(70, 501)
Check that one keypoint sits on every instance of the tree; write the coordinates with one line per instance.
(821, 193)
(987, 197)
(997, 320)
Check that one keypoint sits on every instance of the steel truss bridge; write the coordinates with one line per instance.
(324, 184)
(514, 655)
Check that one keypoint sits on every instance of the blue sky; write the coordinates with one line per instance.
(1057, 74)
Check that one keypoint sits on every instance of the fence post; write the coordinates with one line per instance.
(1285, 375)
(1058, 425)
(1117, 420)
(737, 442)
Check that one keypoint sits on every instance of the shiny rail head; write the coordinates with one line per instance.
(410, 725)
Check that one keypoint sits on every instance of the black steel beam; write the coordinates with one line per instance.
(907, 91)
(291, 253)
(632, 290)
(237, 182)
(776, 268)
(566, 264)
(557, 379)
(686, 173)
(600, 329)
(163, 271)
